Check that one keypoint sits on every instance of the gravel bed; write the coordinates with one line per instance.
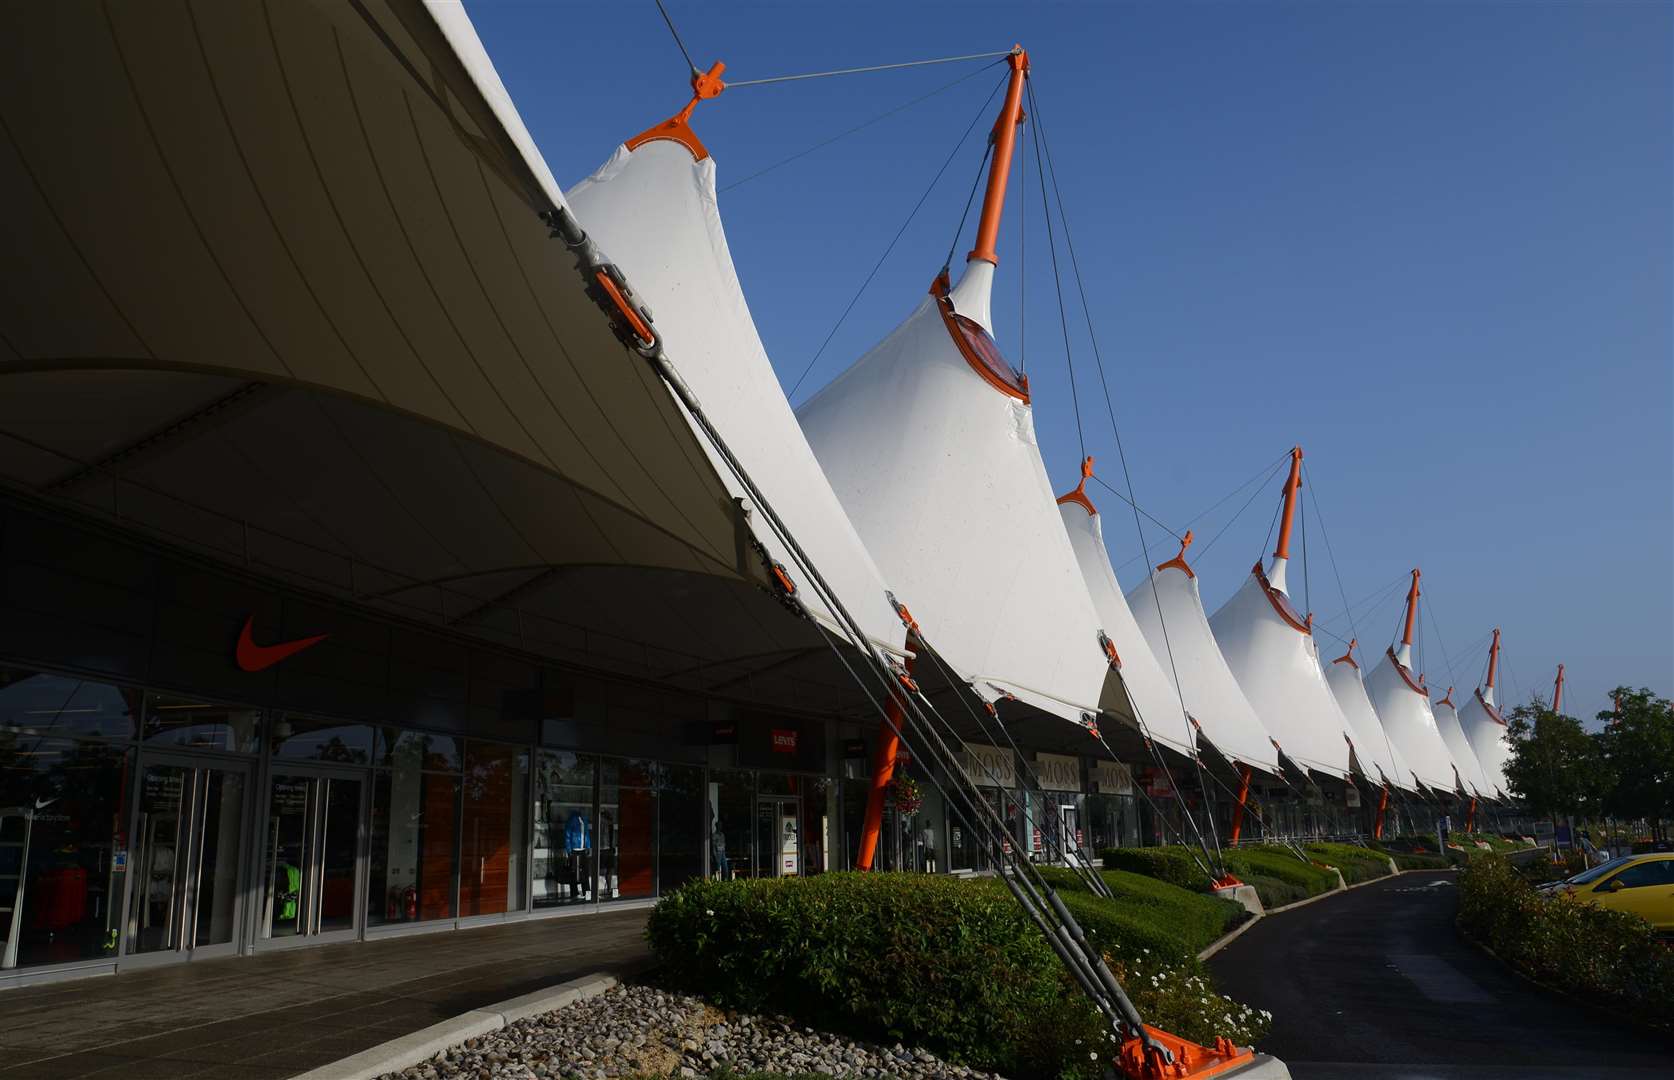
(640, 1030)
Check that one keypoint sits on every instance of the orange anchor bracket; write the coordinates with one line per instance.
(1109, 648)
(1179, 561)
(1190, 1061)
(1079, 495)
(678, 128)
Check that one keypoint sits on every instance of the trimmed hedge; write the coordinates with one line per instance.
(1357, 864)
(1147, 913)
(1607, 958)
(1170, 864)
(1278, 875)
(1419, 862)
(950, 965)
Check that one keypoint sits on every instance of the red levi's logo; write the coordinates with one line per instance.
(253, 657)
(784, 741)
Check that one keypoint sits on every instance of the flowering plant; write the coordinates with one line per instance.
(908, 797)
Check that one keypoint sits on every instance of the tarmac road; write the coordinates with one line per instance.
(1376, 985)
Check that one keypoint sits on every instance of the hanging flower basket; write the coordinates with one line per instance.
(908, 797)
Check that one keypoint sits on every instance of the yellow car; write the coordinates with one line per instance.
(1642, 885)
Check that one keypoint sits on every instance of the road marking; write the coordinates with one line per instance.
(1438, 980)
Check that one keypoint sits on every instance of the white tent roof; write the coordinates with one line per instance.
(1212, 694)
(654, 210)
(1403, 705)
(1484, 728)
(1150, 691)
(1470, 770)
(1371, 743)
(940, 473)
(1276, 662)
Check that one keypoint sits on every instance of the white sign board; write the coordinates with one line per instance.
(989, 766)
(1058, 772)
(1112, 778)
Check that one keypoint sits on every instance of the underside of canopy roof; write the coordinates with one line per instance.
(1484, 727)
(1188, 650)
(1403, 706)
(654, 209)
(274, 288)
(1378, 757)
(1470, 770)
(940, 472)
(1275, 659)
(1151, 694)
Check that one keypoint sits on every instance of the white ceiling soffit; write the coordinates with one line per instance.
(1378, 755)
(941, 475)
(654, 209)
(1153, 697)
(1485, 728)
(1404, 709)
(1212, 693)
(1470, 770)
(1277, 666)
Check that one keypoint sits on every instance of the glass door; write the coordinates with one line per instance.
(189, 822)
(778, 840)
(311, 861)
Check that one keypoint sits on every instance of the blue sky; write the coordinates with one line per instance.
(1431, 242)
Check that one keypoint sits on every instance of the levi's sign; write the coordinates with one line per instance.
(784, 741)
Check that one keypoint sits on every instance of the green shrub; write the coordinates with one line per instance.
(1267, 865)
(1146, 913)
(950, 965)
(1608, 958)
(1357, 864)
(1170, 864)
(1419, 862)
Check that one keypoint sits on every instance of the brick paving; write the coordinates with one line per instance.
(277, 1014)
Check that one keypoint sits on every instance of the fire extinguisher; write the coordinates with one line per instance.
(409, 903)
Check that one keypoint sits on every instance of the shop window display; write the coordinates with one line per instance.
(563, 850)
(412, 866)
(63, 848)
(627, 833)
(731, 810)
(496, 786)
(680, 812)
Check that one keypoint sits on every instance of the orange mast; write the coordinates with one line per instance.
(1004, 138)
(1493, 667)
(1281, 554)
(1404, 657)
(1558, 691)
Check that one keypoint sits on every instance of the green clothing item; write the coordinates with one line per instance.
(290, 888)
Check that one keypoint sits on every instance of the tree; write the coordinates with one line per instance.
(1555, 767)
(1638, 741)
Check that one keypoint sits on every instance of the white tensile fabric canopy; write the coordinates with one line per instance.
(1485, 728)
(654, 209)
(1372, 744)
(1403, 705)
(274, 287)
(1150, 691)
(940, 473)
(1470, 770)
(1276, 663)
(1212, 694)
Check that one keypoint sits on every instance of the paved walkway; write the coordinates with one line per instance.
(1376, 985)
(280, 1013)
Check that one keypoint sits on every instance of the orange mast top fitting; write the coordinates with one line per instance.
(1412, 608)
(1004, 138)
(677, 128)
(1348, 654)
(1558, 691)
(1292, 485)
(1179, 561)
(1079, 495)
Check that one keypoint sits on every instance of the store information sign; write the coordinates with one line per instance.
(1058, 772)
(1112, 778)
(989, 766)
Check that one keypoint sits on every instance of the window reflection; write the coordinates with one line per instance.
(412, 863)
(308, 739)
(492, 837)
(50, 704)
(627, 831)
(197, 725)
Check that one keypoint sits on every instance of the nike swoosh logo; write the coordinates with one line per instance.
(253, 657)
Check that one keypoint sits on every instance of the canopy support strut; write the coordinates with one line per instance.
(883, 771)
(1383, 805)
(1243, 797)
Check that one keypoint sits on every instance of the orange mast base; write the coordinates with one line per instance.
(1190, 1059)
